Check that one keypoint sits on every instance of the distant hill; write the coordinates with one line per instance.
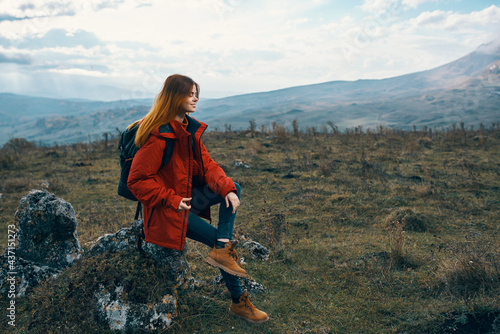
(50, 121)
(466, 90)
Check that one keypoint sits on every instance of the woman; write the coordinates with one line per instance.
(177, 194)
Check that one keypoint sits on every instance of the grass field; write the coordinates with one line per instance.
(377, 231)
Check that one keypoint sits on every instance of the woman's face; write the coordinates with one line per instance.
(189, 104)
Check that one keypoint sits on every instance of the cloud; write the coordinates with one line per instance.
(255, 55)
(436, 17)
(454, 21)
(20, 10)
(415, 3)
(378, 6)
(78, 71)
(235, 45)
(5, 17)
(16, 59)
(61, 38)
(491, 47)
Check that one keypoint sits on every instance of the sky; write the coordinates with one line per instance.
(123, 49)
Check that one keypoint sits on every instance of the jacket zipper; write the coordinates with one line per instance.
(202, 165)
(187, 189)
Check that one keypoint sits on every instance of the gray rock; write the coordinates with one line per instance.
(248, 284)
(124, 316)
(256, 250)
(240, 164)
(47, 230)
(18, 277)
(175, 261)
(126, 238)
(42, 242)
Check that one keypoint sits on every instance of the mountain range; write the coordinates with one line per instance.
(466, 90)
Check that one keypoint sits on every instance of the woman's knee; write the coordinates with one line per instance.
(238, 189)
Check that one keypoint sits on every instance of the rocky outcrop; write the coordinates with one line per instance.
(124, 239)
(124, 316)
(47, 230)
(20, 276)
(127, 238)
(42, 242)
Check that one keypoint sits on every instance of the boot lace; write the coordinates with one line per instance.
(248, 304)
(234, 255)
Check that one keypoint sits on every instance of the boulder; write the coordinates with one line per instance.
(122, 240)
(20, 276)
(115, 309)
(127, 238)
(47, 230)
(42, 242)
(124, 316)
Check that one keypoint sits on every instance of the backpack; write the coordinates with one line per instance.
(128, 149)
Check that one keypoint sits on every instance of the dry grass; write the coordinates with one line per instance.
(472, 268)
(369, 231)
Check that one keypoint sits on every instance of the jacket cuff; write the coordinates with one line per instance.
(227, 189)
(174, 204)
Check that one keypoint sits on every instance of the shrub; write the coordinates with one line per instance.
(410, 221)
(425, 142)
(10, 152)
(18, 145)
(400, 259)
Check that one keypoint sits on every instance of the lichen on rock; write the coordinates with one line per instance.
(47, 230)
(46, 242)
(257, 251)
(127, 238)
(122, 315)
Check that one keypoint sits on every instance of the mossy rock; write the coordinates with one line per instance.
(73, 291)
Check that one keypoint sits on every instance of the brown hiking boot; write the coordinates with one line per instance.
(227, 259)
(245, 310)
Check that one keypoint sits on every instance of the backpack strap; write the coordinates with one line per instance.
(141, 236)
(138, 211)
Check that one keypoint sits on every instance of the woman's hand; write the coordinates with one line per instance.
(183, 204)
(234, 200)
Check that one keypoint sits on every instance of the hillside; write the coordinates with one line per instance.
(380, 232)
(50, 121)
(466, 90)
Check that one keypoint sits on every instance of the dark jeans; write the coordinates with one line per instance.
(200, 230)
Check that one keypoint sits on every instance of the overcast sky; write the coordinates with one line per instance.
(84, 48)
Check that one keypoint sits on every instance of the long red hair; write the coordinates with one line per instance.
(166, 106)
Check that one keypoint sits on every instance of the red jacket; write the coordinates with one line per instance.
(161, 191)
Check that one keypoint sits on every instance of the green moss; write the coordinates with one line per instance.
(67, 303)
